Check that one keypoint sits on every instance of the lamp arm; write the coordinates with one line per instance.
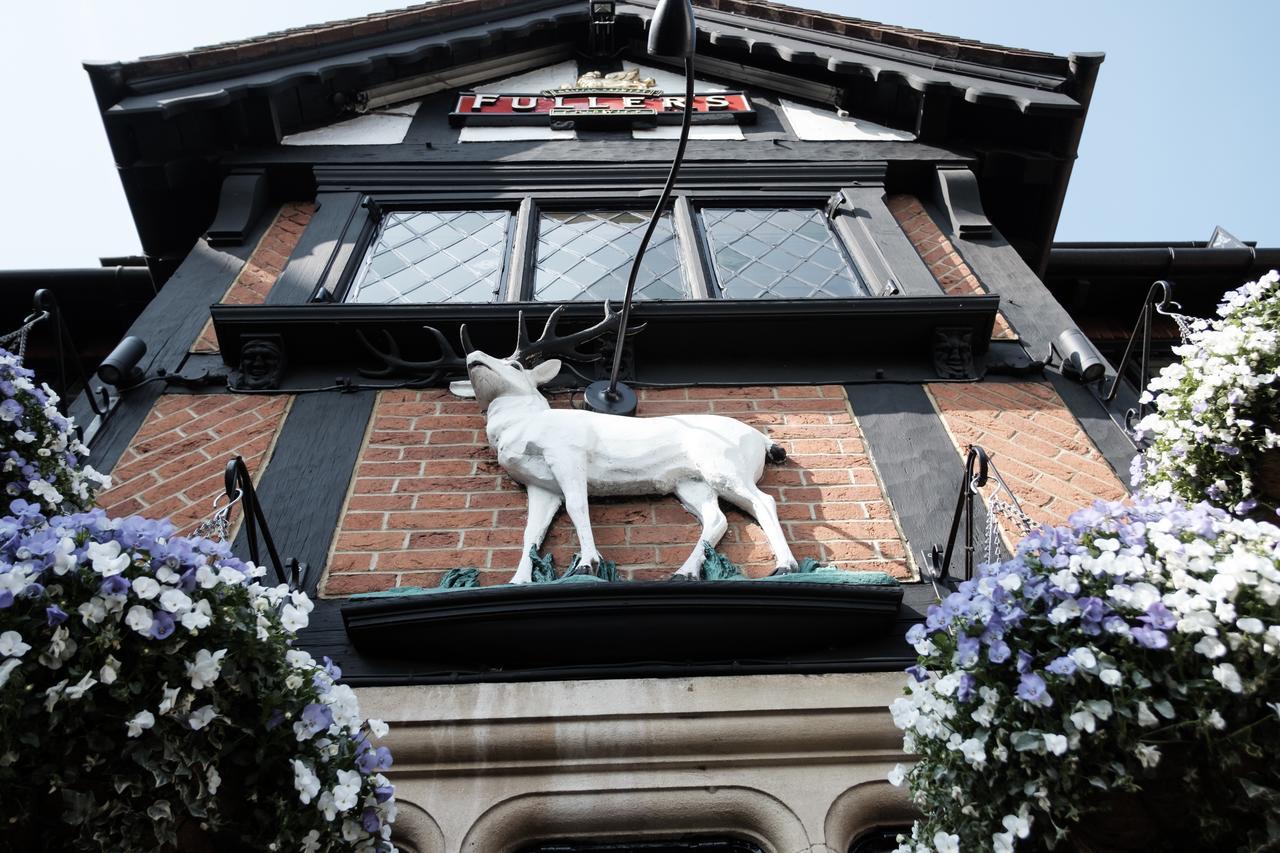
(685, 122)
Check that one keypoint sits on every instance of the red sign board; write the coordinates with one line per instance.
(637, 108)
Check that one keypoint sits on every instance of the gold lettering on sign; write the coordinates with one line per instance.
(632, 101)
(673, 103)
(481, 100)
(593, 103)
(518, 103)
(717, 102)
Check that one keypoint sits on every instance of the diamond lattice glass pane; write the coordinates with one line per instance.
(787, 253)
(434, 256)
(587, 255)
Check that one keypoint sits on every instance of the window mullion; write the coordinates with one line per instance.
(519, 269)
(695, 270)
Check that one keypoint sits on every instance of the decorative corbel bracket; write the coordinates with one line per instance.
(240, 203)
(959, 195)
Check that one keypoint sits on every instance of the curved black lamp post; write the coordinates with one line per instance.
(671, 36)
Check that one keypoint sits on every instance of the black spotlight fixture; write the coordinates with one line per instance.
(671, 36)
(120, 368)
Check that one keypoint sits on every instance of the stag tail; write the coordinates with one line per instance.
(777, 454)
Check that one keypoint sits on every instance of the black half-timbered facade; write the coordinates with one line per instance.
(851, 262)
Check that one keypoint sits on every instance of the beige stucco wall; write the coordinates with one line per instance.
(795, 762)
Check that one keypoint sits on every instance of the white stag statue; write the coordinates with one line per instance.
(567, 455)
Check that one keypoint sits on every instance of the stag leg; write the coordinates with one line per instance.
(702, 501)
(542, 508)
(575, 503)
(749, 498)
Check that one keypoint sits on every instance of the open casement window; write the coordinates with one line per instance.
(712, 245)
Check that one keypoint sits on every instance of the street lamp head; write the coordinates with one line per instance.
(671, 34)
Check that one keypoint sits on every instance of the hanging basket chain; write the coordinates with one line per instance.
(21, 334)
(219, 524)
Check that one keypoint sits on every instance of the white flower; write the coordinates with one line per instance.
(1226, 675)
(146, 588)
(7, 668)
(1148, 756)
(93, 611)
(12, 646)
(898, 775)
(214, 779)
(139, 619)
(1145, 717)
(82, 686)
(293, 681)
(305, 781)
(1084, 658)
(1110, 677)
(53, 694)
(347, 792)
(140, 722)
(106, 558)
(299, 659)
(326, 806)
(1056, 744)
(1250, 625)
(974, 752)
(945, 843)
(311, 841)
(110, 670)
(379, 728)
(1215, 719)
(1211, 647)
(175, 601)
(204, 670)
(201, 717)
(198, 617)
(292, 618)
(169, 698)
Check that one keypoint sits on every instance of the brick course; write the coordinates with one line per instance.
(953, 274)
(1043, 453)
(173, 467)
(428, 495)
(264, 266)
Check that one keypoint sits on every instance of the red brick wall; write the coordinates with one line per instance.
(953, 274)
(1036, 443)
(173, 467)
(264, 265)
(428, 495)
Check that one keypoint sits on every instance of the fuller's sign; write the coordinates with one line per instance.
(636, 108)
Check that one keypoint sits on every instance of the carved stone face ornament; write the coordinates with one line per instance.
(565, 456)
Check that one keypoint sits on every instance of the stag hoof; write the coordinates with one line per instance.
(786, 569)
(586, 567)
(682, 576)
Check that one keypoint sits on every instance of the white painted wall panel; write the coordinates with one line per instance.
(817, 125)
(385, 127)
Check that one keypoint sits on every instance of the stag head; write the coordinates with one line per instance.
(532, 364)
(528, 367)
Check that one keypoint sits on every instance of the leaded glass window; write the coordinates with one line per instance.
(777, 253)
(587, 255)
(434, 256)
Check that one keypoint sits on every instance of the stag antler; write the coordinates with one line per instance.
(550, 342)
(428, 371)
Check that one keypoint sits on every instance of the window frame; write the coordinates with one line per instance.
(847, 221)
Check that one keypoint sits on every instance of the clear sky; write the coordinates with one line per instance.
(1182, 134)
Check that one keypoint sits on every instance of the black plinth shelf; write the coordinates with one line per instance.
(561, 627)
